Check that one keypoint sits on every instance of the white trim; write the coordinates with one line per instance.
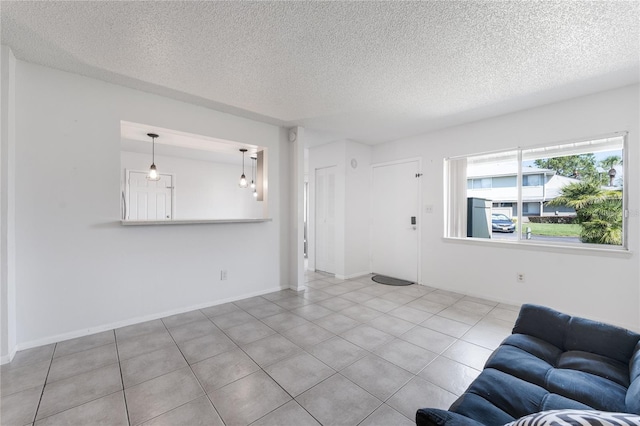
(190, 221)
(5, 359)
(351, 276)
(625, 192)
(391, 163)
(118, 324)
(519, 203)
(621, 133)
(593, 249)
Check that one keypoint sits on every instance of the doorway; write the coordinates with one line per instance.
(394, 219)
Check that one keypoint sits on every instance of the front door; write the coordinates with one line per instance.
(394, 212)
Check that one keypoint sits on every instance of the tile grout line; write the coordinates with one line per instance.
(124, 396)
(191, 369)
(44, 385)
(305, 350)
(327, 378)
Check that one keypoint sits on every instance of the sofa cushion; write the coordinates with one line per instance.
(520, 364)
(633, 393)
(598, 338)
(632, 399)
(513, 396)
(538, 347)
(577, 418)
(542, 322)
(481, 409)
(553, 401)
(436, 417)
(598, 365)
(596, 392)
(634, 364)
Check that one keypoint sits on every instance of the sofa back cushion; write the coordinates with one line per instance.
(633, 393)
(602, 339)
(542, 322)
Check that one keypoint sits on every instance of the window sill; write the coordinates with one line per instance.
(189, 221)
(541, 246)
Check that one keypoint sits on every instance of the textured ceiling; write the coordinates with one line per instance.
(366, 71)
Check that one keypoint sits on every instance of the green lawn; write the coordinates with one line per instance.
(553, 229)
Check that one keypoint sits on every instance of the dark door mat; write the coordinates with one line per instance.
(382, 279)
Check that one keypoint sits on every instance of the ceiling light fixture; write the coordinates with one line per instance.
(254, 176)
(243, 178)
(153, 172)
(253, 171)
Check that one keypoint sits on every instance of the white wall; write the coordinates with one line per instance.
(596, 284)
(7, 206)
(358, 207)
(352, 205)
(78, 270)
(203, 189)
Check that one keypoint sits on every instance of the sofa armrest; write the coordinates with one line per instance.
(436, 417)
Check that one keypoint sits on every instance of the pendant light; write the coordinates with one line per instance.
(254, 175)
(153, 172)
(243, 178)
(253, 172)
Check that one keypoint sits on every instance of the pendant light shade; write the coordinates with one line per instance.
(153, 172)
(243, 179)
(253, 175)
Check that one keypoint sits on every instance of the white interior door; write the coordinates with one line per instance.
(325, 228)
(394, 245)
(148, 199)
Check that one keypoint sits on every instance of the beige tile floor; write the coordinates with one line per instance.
(341, 353)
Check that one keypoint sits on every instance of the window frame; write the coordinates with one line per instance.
(523, 242)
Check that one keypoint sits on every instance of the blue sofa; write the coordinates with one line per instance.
(552, 361)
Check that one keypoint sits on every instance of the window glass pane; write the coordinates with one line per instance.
(532, 180)
(580, 189)
(504, 182)
(493, 195)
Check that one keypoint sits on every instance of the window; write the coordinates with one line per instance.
(532, 180)
(481, 183)
(569, 194)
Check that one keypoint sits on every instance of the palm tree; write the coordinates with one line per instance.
(608, 163)
(598, 211)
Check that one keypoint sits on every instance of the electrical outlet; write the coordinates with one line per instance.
(428, 208)
(520, 277)
(223, 275)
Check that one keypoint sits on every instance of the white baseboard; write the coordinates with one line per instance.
(6, 359)
(136, 320)
(350, 276)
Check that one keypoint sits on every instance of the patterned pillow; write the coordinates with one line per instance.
(577, 418)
